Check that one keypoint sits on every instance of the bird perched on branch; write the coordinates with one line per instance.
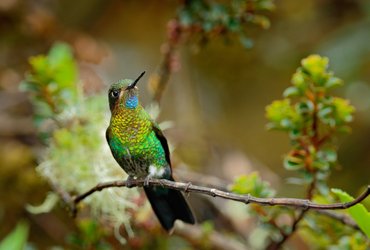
(138, 145)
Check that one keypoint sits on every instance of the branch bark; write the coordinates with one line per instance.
(247, 199)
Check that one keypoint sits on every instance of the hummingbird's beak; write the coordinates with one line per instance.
(133, 84)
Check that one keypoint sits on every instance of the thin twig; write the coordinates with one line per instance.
(64, 195)
(247, 199)
(286, 236)
(169, 48)
(344, 219)
(206, 180)
(297, 219)
(313, 140)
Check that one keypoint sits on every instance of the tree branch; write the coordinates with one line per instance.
(166, 67)
(285, 236)
(343, 218)
(247, 199)
(212, 181)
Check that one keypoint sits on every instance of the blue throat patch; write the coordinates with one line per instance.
(132, 102)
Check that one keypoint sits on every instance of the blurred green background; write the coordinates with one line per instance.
(216, 99)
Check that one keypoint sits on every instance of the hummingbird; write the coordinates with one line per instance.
(140, 148)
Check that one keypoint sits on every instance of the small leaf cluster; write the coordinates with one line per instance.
(311, 116)
(76, 157)
(358, 212)
(252, 184)
(212, 18)
(52, 82)
(311, 85)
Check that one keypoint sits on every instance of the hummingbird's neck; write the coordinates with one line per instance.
(125, 115)
(130, 125)
(132, 102)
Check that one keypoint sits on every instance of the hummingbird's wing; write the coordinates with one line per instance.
(163, 140)
(107, 135)
(168, 204)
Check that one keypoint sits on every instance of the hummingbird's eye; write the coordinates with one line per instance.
(114, 93)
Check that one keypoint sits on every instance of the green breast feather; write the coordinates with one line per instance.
(139, 146)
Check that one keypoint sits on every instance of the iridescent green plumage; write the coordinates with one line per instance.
(140, 148)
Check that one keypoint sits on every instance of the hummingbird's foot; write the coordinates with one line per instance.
(147, 180)
(130, 181)
(186, 190)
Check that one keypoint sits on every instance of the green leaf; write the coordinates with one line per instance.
(298, 80)
(322, 165)
(52, 81)
(327, 154)
(63, 66)
(333, 82)
(293, 163)
(316, 66)
(185, 18)
(17, 239)
(234, 24)
(325, 112)
(28, 86)
(343, 110)
(291, 91)
(282, 115)
(294, 134)
(252, 184)
(243, 184)
(263, 21)
(265, 5)
(208, 26)
(286, 123)
(246, 42)
(323, 188)
(304, 107)
(358, 212)
(39, 64)
(207, 227)
(307, 176)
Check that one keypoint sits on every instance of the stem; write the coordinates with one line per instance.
(213, 192)
(174, 35)
(316, 143)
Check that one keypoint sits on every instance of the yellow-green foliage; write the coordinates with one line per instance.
(52, 82)
(358, 212)
(77, 156)
(252, 184)
(311, 116)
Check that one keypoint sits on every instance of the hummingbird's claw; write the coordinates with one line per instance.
(186, 190)
(130, 181)
(146, 181)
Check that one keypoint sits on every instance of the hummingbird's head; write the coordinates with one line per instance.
(124, 93)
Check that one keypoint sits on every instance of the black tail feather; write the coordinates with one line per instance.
(169, 205)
